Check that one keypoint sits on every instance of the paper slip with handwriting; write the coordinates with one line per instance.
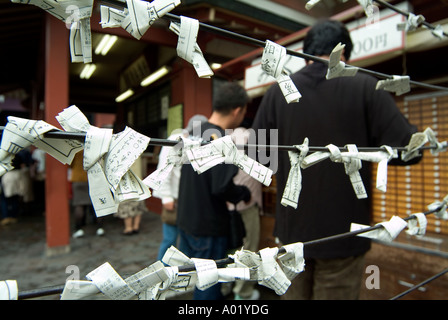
(293, 186)
(391, 229)
(270, 273)
(143, 13)
(20, 133)
(292, 262)
(79, 289)
(76, 14)
(398, 84)
(187, 48)
(223, 149)
(148, 277)
(417, 226)
(272, 62)
(110, 283)
(125, 148)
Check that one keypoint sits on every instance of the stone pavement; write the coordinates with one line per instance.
(23, 253)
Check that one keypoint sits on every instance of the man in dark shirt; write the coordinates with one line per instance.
(203, 218)
(339, 111)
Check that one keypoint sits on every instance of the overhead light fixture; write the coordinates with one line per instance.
(215, 66)
(105, 44)
(155, 76)
(124, 95)
(87, 71)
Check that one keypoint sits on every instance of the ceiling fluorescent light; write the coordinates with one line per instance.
(105, 44)
(215, 65)
(124, 95)
(155, 76)
(102, 43)
(87, 71)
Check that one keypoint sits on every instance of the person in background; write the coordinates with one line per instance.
(202, 217)
(339, 111)
(169, 190)
(11, 192)
(38, 176)
(82, 205)
(250, 213)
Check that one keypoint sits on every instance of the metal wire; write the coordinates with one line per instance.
(259, 43)
(80, 136)
(398, 296)
(222, 263)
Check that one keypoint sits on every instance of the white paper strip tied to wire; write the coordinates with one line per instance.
(143, 13)
(417, 225)
(9, 290)
(272, 62)
(224, 150)
(336, 67)
(438, 32)
(271, 269)
(176, 157)
(391, 229)
(137, 17)
(418, 140)
(293, 186)
(412, 23)
(187, 48)
(21, 133)
(107, 159)
(442, 212)
(382, 157)
(76, 14)
(398, 85)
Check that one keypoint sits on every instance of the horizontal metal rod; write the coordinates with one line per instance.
(421, 284)
(80, 136)
(406, 14)
(222, 263)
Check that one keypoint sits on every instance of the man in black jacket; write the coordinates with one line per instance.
(203, 218)
(340, 111)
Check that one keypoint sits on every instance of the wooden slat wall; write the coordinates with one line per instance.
(411, 188)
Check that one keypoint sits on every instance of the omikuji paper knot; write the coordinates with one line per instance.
(438, 32)
(292, 262)
(174, 159)
(442, 213)
(412, 23)
(76, 14)
(108, 159)
(366, 4)
(109, 282)
(9, 290)
(419, 139)
(270, 273)
(352, 170)
(223, 149)
(389, 231)
(272, 62)
(187, 48)
(293, 186)
(20, 133)
(336, 67)
(398, 84)
(417, 226)
(207, 273)
(143, 13)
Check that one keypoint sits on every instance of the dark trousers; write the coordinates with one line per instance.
(205, 248)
